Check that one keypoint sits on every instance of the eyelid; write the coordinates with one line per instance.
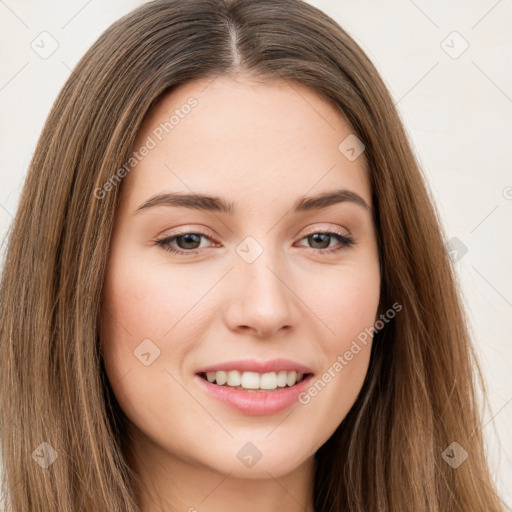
(317, 229)
(187, 229)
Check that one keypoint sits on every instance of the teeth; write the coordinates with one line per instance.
(281, 379)
(234, 378)
(253, 380)
(291, 378)
(268, 381)
(221, 377)
(250, 380)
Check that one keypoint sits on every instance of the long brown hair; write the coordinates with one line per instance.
(57, 406)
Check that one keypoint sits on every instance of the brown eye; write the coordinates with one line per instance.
(320, 238)
(189, 241)
(321, 241)
(184, 243)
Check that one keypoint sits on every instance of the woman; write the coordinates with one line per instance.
(256, 369)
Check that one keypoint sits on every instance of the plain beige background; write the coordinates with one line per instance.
(448, 68)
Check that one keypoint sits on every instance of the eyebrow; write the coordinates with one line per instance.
(219, 205)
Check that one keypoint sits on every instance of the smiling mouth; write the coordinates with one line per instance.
(253, 381)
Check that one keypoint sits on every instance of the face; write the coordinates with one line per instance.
(271, 294)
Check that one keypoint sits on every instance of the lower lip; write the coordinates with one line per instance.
(256, 403)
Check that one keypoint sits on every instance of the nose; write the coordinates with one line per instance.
(261, 298)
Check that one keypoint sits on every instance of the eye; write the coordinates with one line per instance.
(188, 241)
(323, 238)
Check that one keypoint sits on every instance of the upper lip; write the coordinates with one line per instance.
(252, 365)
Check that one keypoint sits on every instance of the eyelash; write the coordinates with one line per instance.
(345, 242)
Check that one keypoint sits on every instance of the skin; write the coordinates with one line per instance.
(261, 145)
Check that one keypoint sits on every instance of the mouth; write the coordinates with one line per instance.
(254, 387)
(253, 381)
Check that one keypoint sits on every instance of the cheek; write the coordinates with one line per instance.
(347, 306)
(347, 303)
(147, 317)
(128, 316)
(133, 353)
(146, 299)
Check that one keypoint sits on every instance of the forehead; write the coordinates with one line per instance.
(248, 138)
